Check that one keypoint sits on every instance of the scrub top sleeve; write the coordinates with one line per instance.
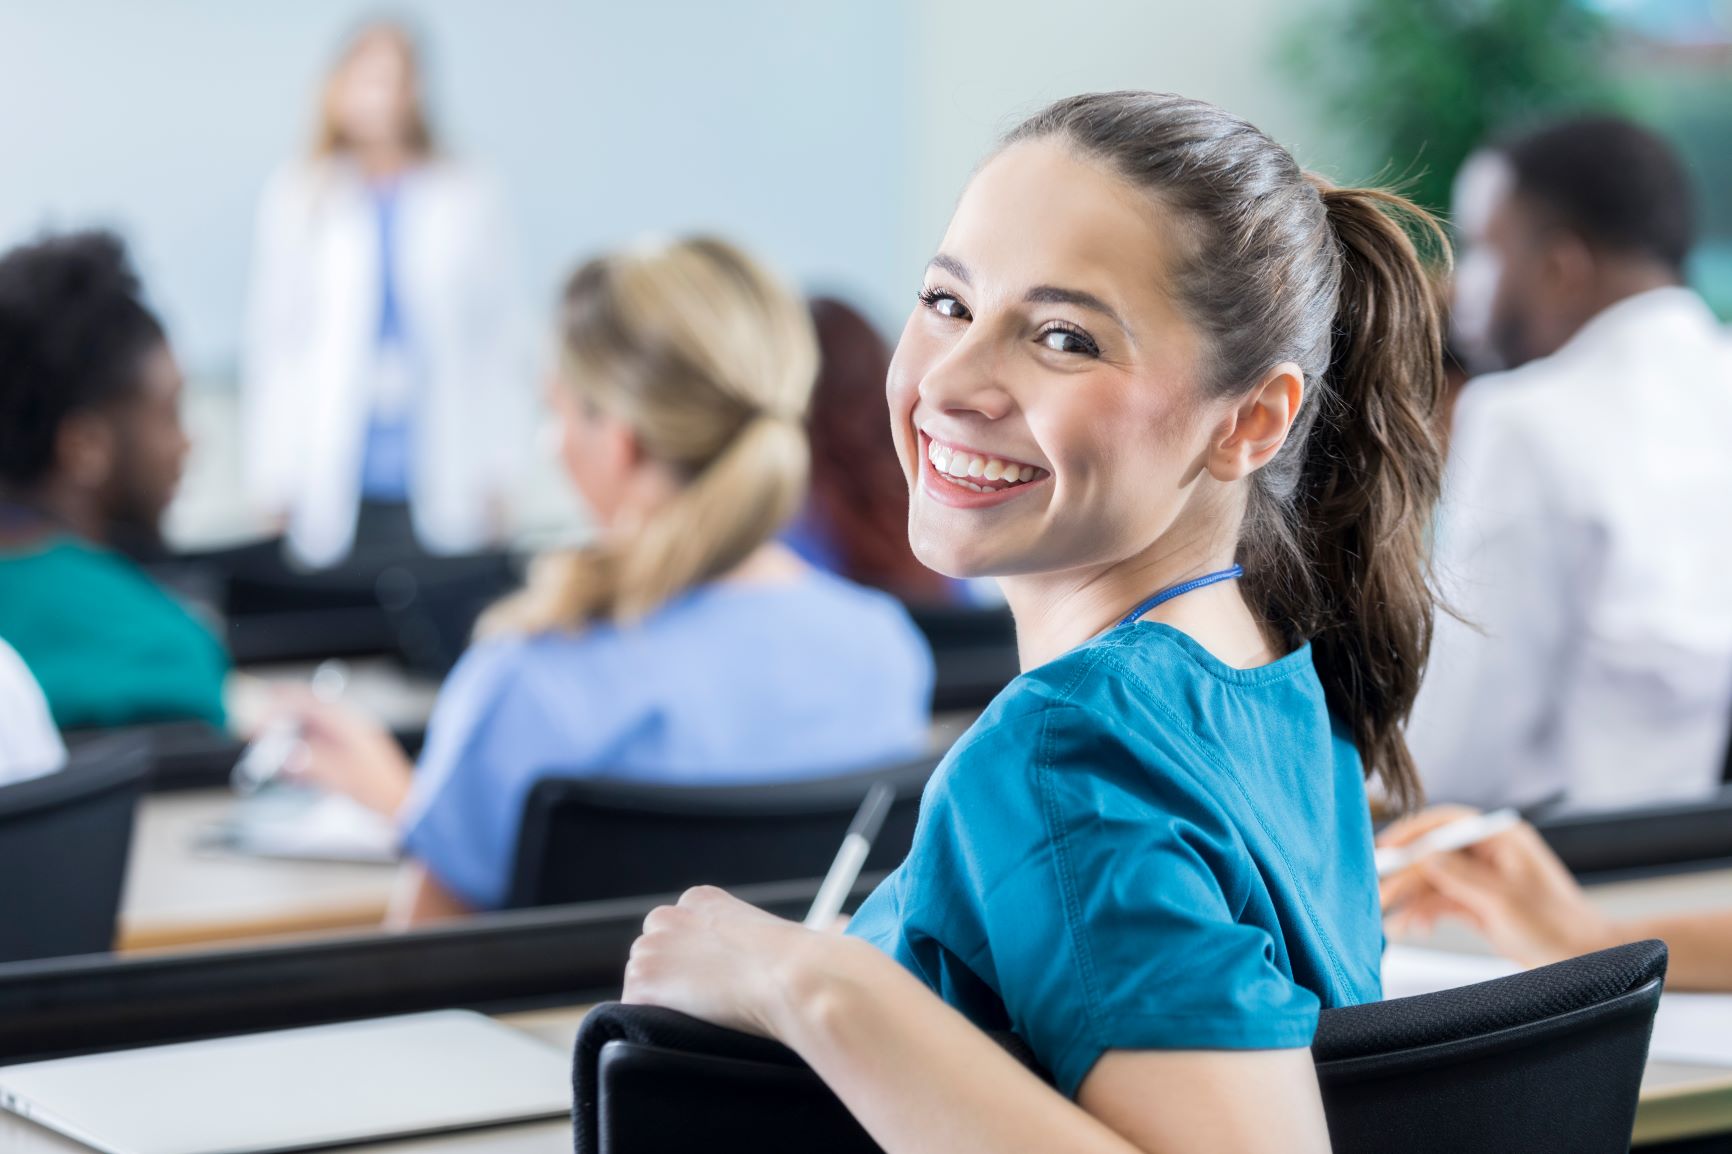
(1117, 929)
(488, 741)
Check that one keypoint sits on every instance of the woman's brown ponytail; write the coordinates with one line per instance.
(1278, 265)
(1373, 471)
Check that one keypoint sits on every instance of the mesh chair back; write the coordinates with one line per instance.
(587, 840)
(1545, 1062)
(64, 840)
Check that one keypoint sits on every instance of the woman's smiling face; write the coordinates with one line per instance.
(1045, 394)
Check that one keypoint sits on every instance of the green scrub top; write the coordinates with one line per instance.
(106, 643)
(1139, 847)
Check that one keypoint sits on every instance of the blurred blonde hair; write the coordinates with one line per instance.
(710, 360)
(328, 138)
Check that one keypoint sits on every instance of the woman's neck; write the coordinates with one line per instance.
(1056, 612)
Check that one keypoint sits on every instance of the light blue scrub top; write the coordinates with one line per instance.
(727, 684)
(1140, 847)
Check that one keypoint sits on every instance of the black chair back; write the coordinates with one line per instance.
(588, 840)
(64, 840)
(1546, 1062)
(973, 653)
(1542, 1061)
(1648, 839)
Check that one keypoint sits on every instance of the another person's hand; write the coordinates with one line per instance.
(1510, 887)
(716, 957)
(346, 752)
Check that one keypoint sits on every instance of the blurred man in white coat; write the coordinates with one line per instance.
(1585, 533)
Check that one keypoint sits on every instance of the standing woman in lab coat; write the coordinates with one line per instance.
(381, 388)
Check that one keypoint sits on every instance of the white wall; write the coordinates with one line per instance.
(775, 121)
(832, 136)
(981, 66)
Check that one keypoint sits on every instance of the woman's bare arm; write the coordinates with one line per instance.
(920, 1077)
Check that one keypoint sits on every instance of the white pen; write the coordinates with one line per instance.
(1458, 834)
(868, 819)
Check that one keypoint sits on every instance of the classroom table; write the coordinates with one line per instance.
(1677, 1102)
(179, 895)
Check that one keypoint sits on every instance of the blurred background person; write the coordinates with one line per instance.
(91, 448)
(1513, 889)
(30, 746)
(381, 382)
(855, 521)
(1583, 537)
(685, 645)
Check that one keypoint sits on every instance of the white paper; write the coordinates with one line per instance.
(288, 822)
(1692, 1028)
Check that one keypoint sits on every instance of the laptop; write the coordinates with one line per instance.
(296, 1089)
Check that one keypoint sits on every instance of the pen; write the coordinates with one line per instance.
(868, 819)
(1458, 834)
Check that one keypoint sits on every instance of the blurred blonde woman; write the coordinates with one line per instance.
(383, 393)
(684, 645)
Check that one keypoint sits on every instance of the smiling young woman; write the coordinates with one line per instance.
(1176, 394)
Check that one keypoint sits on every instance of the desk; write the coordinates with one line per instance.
(178, 895)
(1678, 1101)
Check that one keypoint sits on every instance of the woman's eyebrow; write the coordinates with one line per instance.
(952, 266)
(1047, 294)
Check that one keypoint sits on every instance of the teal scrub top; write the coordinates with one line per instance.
(106, 643)
(1139, 847)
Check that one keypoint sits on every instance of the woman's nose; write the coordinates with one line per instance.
(970, 378)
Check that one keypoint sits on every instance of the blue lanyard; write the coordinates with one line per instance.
(1183, 587)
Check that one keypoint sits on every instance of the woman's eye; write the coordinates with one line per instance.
(944, 304)
(1062, 340)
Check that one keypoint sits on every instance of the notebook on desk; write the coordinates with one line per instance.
(296, 1089)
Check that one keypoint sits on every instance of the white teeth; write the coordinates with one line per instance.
(965, 468)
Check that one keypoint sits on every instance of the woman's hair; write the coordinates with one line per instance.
(328, 139)
(858, 493)
(73, 330)
(1276, 264)
(710, 361)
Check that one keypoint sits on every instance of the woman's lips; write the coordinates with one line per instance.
(962, 478)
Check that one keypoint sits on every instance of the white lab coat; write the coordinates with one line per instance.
(30, 746)
(308, 372)
(1586, 529)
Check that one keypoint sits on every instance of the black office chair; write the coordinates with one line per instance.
(432, 610)
(64, 840)
(1660, 838)
(183, 754)
(973, 653)
(1544, 1062)
(587, 840)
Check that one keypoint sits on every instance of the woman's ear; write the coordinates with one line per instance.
(84, 449)
(1257, 427)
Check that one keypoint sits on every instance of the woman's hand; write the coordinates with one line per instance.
(1510, 887)
(715, 957)
(346, 752)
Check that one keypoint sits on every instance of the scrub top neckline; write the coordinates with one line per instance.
(1282, 668)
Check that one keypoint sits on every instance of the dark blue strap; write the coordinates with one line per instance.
(1183, 587)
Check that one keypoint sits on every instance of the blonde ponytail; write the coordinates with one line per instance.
(711, 361)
